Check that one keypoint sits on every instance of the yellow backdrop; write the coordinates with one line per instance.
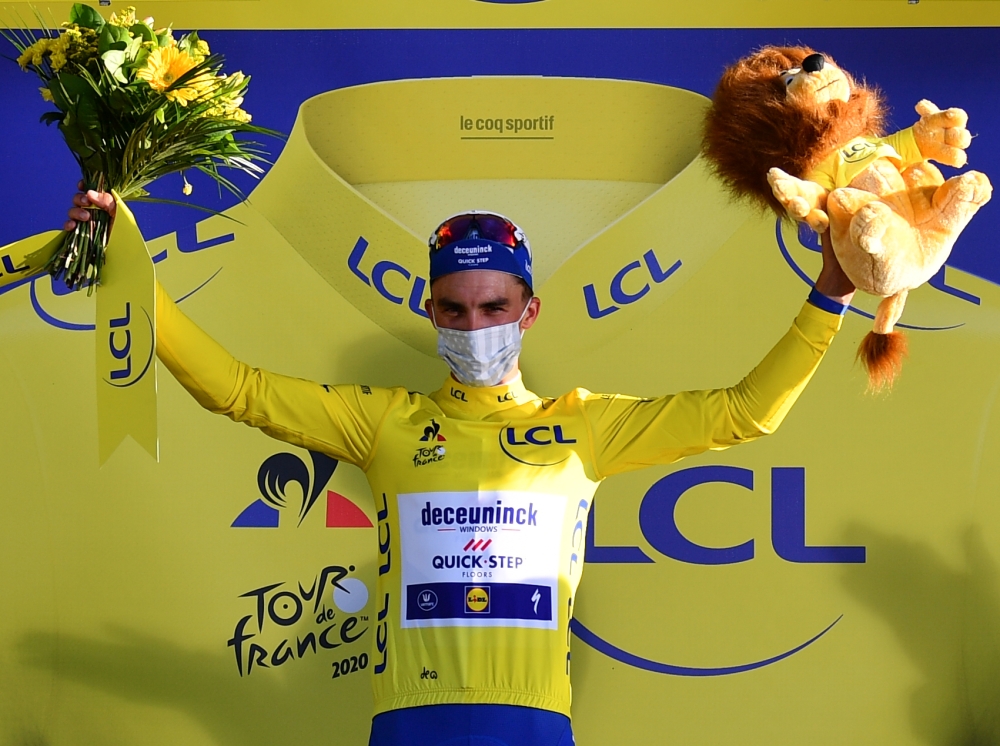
(188, 601)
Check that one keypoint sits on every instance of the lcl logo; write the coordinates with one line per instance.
(658, 523)
(659, 526)
(648, 267)
(511, 439)
(380, 270)
(120, 341)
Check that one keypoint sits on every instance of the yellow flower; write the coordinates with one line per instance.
(58, 50)
(200, 51)
(163, 68)
(46, 94)
(35, 54)
(78, 45)
(58, 59)
(125, 20)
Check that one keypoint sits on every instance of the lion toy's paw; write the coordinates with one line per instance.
(942, 135)
(803, 200)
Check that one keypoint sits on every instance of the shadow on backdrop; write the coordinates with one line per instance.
(947, 620)
(297, 703)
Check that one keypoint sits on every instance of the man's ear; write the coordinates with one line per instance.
(531, 316)
(429, 308)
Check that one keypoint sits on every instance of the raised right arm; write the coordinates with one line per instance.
(341, 421)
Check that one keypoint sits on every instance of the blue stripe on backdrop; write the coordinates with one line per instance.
(944, 65)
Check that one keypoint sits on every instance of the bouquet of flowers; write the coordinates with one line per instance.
(133, 103)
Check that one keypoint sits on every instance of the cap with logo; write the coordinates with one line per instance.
(480, 240)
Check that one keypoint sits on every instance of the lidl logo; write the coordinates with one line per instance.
(282, 469)
(477, 600)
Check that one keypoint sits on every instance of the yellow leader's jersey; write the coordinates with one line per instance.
(482, 496)
(840, 167)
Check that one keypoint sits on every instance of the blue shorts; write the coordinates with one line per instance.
(471, 725)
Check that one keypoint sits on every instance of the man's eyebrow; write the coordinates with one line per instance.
(451, 305)
(495, 302)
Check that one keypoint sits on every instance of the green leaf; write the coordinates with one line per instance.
(143, 32)
(85, 16)
(188, 41)
(112, 37)
(52, 116)
(139, 58)
(159, 201)
(158, 115)
(132, 50)
(120, 34)
(105, 40)
(113, 61)
(82, 101)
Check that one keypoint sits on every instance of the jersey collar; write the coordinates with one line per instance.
(465, 402)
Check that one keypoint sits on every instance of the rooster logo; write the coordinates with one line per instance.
(273, 479)
(433, 433)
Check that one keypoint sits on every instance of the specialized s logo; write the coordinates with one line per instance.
(273, 478)
(430, 454)
(513, 441)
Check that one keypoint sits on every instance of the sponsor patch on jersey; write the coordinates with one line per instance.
(476, 559)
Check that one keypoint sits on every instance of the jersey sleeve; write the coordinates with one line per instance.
(904, 143)
(630, 433)
(340, 421)
(825, 173)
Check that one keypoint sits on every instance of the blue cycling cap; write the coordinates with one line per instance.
(480, 240)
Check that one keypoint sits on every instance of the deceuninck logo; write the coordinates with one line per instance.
(282, 469)
(474, 558)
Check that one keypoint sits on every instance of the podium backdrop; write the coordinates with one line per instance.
(834, 583)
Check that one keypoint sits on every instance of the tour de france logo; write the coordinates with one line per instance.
(433, 452)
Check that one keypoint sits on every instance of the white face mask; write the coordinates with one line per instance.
(484, 356)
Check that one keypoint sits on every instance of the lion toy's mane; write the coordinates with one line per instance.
(750, 127)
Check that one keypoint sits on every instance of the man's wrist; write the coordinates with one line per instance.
(824, 302)
(835, 286)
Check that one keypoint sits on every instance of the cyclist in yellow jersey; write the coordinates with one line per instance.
(483, 488)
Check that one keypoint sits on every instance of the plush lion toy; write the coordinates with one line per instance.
(792, 131)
